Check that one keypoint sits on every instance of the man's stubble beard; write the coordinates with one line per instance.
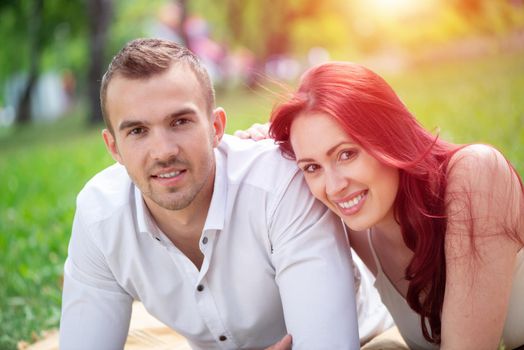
(193, 188)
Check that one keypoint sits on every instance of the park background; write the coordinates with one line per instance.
(457, 64)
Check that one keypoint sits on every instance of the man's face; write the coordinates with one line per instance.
(164, 136)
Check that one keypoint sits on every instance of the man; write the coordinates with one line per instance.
(218, 237)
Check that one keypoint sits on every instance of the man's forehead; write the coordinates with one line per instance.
(178, 73)
(175, 88)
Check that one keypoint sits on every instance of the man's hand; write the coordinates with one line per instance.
(254, 132)
(283, 344)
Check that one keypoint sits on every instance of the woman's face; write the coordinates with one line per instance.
(341, 174)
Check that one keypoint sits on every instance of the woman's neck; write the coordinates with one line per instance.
(390, 231)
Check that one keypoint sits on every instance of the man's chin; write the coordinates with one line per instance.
(170, 203)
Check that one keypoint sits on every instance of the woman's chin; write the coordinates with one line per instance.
(356, 226)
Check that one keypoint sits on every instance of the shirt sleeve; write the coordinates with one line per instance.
(314, 273)
(96, 311)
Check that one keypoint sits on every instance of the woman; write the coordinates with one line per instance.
(439, 224)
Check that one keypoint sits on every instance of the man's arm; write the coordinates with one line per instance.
(95, 310)
(313, 271)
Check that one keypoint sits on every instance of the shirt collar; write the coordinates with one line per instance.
(217, 208)
(145, 221)
(216, 215)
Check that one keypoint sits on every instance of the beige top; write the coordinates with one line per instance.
(408, 321)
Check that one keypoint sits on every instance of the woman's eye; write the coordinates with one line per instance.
(348, 154)
(310, 168)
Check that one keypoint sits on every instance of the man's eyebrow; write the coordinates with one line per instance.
(126, 124)
(181, 112)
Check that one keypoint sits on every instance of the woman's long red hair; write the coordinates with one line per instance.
(371, 113)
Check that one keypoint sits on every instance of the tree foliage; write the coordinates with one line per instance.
(292, 26)
(490, 16)
(265, 28)
(32, 29)
(99, 14)
(56, 34)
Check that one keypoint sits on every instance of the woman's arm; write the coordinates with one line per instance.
(484, 199)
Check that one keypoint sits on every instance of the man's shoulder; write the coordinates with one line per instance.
(258, 163)
(234, 146)
(105, 193)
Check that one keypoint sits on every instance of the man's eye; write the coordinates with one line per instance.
(310, 168)
(181, 121)
(136, 131)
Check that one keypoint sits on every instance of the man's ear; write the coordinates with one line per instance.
(111, 146)
(219, 125)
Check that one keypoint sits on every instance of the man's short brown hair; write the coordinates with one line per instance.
(143, 58)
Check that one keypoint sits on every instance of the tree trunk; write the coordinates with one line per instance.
(183, 18)
(277, 29)
(23, 110)
(99, 17)
(235, 9)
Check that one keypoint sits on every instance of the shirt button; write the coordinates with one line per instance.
(222, 338)
(200, 287)
(204, 240)
(158, 239)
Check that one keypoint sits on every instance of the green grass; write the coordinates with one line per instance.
(43, 166)
(39, 181)
(477, 101)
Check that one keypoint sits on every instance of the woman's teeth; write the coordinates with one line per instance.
(351, 203)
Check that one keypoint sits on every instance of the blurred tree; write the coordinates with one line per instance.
(489, 16)
(99, 14)
(29, 29)
(23, 111)
(34, 29)
(265, 29)
(353, 27)
(183, 17)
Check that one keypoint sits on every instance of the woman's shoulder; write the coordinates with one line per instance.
(479, 165)
(481, 178)
(477, 157)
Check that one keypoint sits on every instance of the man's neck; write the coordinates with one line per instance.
(181, 223)
(184, 227)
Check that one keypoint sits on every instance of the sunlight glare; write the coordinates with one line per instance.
(397, 8)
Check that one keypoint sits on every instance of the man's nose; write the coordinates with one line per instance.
(163, 146)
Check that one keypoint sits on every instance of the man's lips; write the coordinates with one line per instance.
(169, 176)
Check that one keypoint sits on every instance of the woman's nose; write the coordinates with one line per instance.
(335, 182)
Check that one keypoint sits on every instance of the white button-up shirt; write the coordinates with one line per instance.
(276, 261)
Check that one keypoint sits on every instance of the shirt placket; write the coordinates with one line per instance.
(204, 298)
